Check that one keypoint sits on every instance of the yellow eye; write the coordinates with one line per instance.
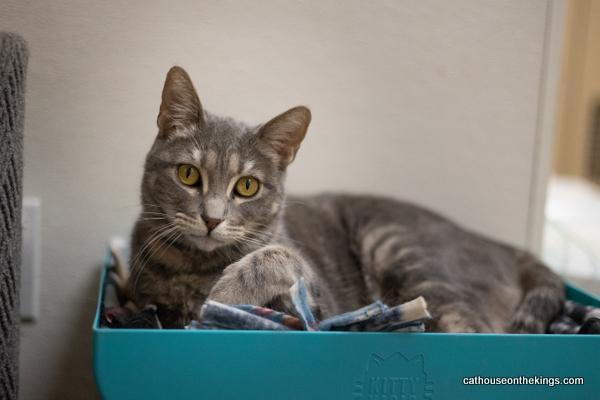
(188, 174)
(246, 186)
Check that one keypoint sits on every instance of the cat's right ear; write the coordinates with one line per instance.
(180, 108)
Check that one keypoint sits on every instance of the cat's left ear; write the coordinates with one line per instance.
(283, 134)
(180, 107)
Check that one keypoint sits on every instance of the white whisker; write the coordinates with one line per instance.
(162, 231)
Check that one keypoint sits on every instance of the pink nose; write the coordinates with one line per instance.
(211, 223)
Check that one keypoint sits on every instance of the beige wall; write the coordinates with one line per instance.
(432, 101)
(579, 86)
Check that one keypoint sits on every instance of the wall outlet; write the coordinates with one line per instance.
(31, 258)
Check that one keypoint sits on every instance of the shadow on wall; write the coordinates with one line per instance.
(77, 360)
(75, 379)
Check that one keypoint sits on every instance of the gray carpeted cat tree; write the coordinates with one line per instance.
(13, 63)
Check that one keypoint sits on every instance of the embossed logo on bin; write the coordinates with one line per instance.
(394, 377)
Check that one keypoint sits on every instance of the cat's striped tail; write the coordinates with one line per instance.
(543, 296)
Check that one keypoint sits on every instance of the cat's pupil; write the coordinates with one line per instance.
(248, 183)
(188, 172)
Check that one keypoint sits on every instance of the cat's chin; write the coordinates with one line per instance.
(206, 243)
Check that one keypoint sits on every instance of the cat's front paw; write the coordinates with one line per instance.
(259, 277)
(233, 287)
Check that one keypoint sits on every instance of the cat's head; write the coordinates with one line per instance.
(214, 181)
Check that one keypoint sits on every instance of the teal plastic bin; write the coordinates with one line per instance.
(180, 364)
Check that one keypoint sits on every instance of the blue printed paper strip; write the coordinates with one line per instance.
(300, 301)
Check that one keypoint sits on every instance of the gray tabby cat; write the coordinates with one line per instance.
(216, 224)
